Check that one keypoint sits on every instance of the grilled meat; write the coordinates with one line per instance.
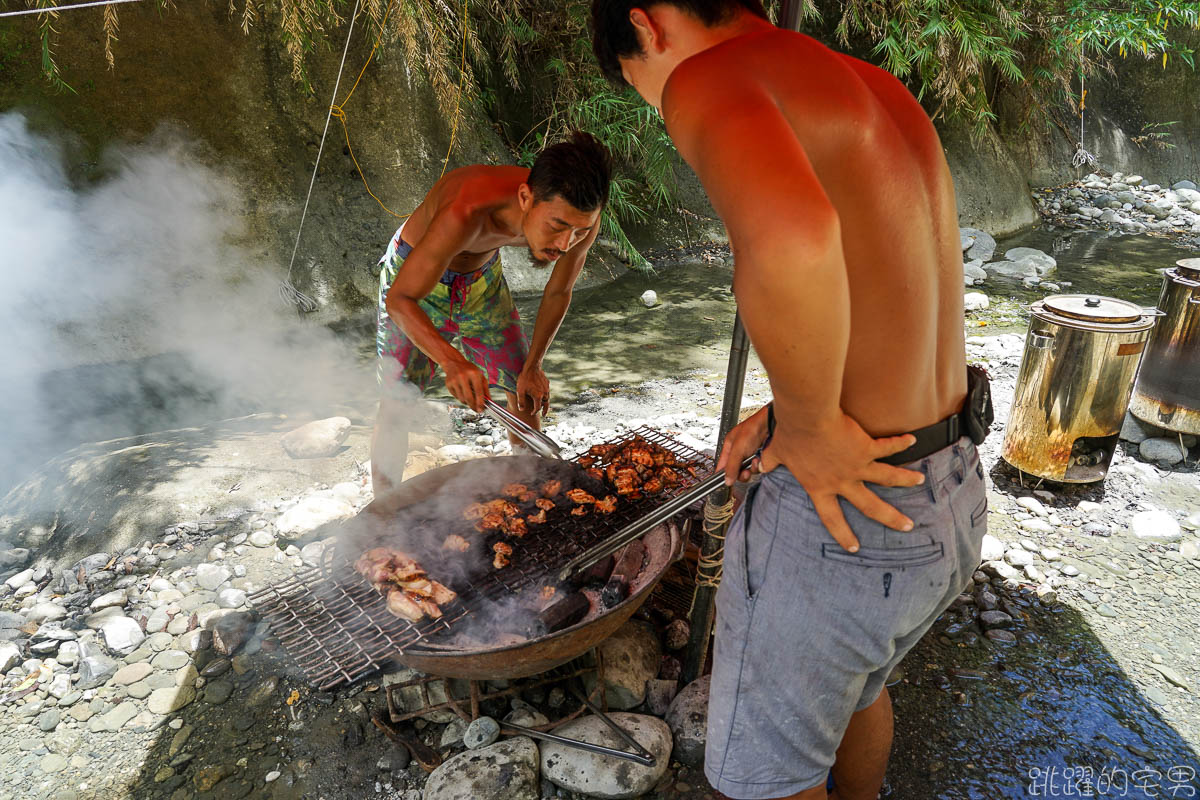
(587, 462)
(595, 473)
(544, 504)
(652, 486)
(456, 542)
(503, 552)
(580, 496)
(607, 505)
(516, 526)
(410, 594)
(601, 450)
(551, 488)
(537, 519)
(492, 521)
(474, 511)
(404, 605)
(579, 511)
(515, 489)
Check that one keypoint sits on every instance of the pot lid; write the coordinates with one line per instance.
(1093, 308)
(1189, 268)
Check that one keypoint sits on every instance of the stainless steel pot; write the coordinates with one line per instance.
(1168, 385)
(1077, 371)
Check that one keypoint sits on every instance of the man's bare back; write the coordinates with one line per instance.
(879, 162)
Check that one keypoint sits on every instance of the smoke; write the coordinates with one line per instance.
(135, 304)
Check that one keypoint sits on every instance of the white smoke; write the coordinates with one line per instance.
(138, 302)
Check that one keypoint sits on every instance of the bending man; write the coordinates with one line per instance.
(441, 279)
(840, 209)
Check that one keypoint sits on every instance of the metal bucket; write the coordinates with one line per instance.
(1168, 386)
(1077, 371)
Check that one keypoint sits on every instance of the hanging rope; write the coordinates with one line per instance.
(56, 9)
(709, 567)
(1082, 157)
(287, 290)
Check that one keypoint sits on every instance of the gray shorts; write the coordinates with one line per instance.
(807, 633)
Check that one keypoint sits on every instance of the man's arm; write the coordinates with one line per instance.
(533, 390)
(792, 289)
(444, 238)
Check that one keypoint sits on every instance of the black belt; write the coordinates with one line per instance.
(930, 439)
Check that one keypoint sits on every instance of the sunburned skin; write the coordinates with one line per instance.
(840, 209)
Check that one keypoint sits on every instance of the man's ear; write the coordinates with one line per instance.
(524, 197)
(649, 34)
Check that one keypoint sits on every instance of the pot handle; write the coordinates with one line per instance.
(1041, 339)
(1153, 311)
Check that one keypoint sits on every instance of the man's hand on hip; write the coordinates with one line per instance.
(533, 390)
(837, 460)
(467, 383)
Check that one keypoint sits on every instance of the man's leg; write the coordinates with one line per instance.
(862, 756)
(389, 450)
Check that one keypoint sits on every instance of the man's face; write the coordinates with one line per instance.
(553, 226)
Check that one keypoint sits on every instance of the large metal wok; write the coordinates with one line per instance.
(453, 487)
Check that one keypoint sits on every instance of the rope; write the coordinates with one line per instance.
(1082, 157)
(338, 110)
(56, 9)
(288, 292)
(709, 567)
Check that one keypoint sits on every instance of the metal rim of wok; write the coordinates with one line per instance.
(530, 657)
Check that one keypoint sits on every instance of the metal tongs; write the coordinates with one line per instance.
(535, 440)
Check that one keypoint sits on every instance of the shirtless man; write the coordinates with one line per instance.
(840, 209)
(441, 277)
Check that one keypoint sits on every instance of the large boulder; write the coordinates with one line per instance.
(312, 512)
(975, 301)
(1043, 263)
(1013, 269)
(317, 439)
(688, 720)
(602, 776)
(507, 770)
(631, 657)
(984, 246)
(973, 271)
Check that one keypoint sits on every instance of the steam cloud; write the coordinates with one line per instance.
(134, 304)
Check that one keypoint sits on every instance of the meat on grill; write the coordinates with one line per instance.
(607, 505)
(580, 496)
(551, 488)
(456, 542)
(537, 519)
(410, 593)
(544, 504)
(640, 467)
(503, 551)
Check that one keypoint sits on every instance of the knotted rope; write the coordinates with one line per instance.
(709, 567)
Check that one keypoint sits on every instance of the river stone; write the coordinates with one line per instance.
(1167, 451)
(975, 301)
(313, 512)
(1184, 184)
(973, 271)
(1155, 524)
(316, 439)
(649, 298)
(19, 580)
(1018, 558)
(113, 599)
(10, 656)
(210, 576)
(595, 775)
(48, 720)
(46, 612)
(171, 660)
(1189, 550)
(995, 619)
(231, 598)
(262, 539)
(1013, 269)
(94, 666)
(507, 770)
(230, 632)
(993, 549)
(16, 557)
(984, 246)
(1043, 263)
(165, 701)
(122, 634)
(481, 733)
(132, 673)
(114, 720)
(631, 657)
(688, 720)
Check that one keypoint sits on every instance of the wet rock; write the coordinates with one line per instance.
(688, 720)
(317, 439)
(982, 248)
(1156, 525)
(595, 775)
(1013, 269)
(649, 298)
(504, 771)
(1162, 451)
(1001, 635)
(1043, 263)
(973, 271)
(218, 692)
(313, 512)
(631, 657)
(122, 634)
(995, 619)
(481, 733)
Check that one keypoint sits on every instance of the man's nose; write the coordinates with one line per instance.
(563, 242)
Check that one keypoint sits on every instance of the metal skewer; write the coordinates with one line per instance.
(535, 440)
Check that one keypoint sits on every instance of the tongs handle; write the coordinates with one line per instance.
(535, 440)
(655, 518)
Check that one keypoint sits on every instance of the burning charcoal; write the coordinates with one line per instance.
(562, 614)
(627, 569)
(678, 633)
(231, 631)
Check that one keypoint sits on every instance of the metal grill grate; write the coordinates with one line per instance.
(338, 629)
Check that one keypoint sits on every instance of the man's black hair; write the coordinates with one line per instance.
(613, 35)
(578, 170)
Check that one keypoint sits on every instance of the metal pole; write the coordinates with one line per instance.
(702, 608)
(789, 15)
